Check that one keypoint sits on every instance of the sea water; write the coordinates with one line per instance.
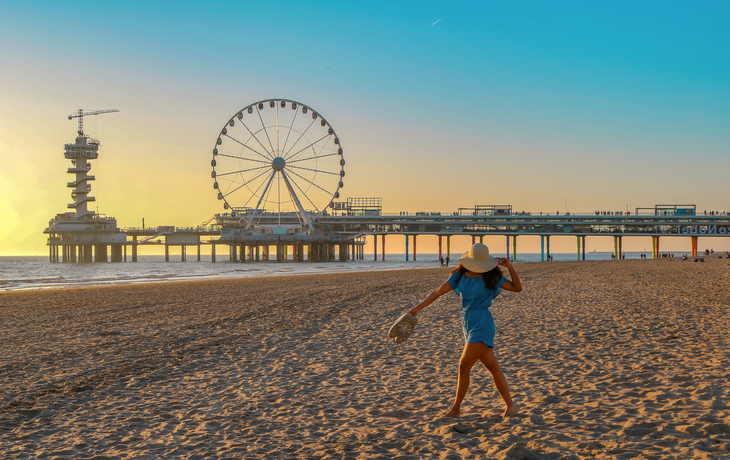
(35, 272)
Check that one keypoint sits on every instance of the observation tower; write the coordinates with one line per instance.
(83, 235)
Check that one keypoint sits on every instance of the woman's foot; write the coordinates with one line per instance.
(511, 409)
(453, 413)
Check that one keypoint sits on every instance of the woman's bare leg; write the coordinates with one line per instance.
(470, 355)
(490, 362)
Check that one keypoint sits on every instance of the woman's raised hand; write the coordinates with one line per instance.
(505, 262)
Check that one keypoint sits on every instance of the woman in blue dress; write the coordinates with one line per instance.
(477, 280)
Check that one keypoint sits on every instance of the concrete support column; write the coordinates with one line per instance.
(182, 253)
(615, 247)
(507, 246)
(198, 252)
(406, 248)
(514, 247)
(116, 252)
(265, 252)
(583, 243)
(448, 247)
(383, 250)
(440, 255)
(414, 247)
(125, 252)
(481, 239)
(577, 256)
(73, 253)
(655, 246)
(473, 239)
(100, 253)
(620, 249)
(375, 248)
(542, 248)
(212, 253)
(547, 245)
(167, 253)
(694, 245)
(258, 258)
(134, 248)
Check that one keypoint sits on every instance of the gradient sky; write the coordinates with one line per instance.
(439, 105)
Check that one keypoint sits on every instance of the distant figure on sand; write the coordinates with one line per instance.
(441, 259)
(447, 261)
(477, 280)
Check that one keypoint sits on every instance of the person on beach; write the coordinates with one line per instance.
(477, 280)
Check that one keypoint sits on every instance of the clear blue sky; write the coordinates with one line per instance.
(438, 104)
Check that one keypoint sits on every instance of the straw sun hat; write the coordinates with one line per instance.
(477, 259)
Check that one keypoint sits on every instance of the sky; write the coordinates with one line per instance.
(547, 106)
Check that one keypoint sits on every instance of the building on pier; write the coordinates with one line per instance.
(83, 235)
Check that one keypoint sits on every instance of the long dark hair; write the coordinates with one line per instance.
(491, 278)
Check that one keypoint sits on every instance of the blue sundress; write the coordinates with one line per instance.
(476, 320)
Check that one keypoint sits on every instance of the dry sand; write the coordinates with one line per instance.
(616, 359)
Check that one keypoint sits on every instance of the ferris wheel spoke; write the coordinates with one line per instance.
(268, 193)
(291, 179)
(268, 154)
(254, 194)
(314, 170)
(243, 158)
(305, 148)
(304, 178)
(246, 146)
(242, 171)
(253, 215)
(297, 141)
(286, 141)
(245, 184)
(266, 131)
(312, 158)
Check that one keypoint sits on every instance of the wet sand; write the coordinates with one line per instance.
(612, 359)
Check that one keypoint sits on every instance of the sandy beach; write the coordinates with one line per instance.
(614, 359)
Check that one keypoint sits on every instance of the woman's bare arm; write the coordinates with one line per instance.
(443, 289)
(514, 285)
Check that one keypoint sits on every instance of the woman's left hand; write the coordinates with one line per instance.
(505, 262)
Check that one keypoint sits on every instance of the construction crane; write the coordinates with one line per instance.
(81, 114)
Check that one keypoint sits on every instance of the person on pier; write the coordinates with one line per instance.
(477, 280)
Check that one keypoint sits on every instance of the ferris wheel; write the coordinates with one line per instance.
(277, 159)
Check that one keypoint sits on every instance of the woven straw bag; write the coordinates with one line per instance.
(402, 328)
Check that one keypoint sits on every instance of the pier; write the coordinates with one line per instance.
(281, 176)
(343, 237)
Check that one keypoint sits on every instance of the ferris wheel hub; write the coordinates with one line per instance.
(278, 163)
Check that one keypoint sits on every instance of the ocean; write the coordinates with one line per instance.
(35, 272)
